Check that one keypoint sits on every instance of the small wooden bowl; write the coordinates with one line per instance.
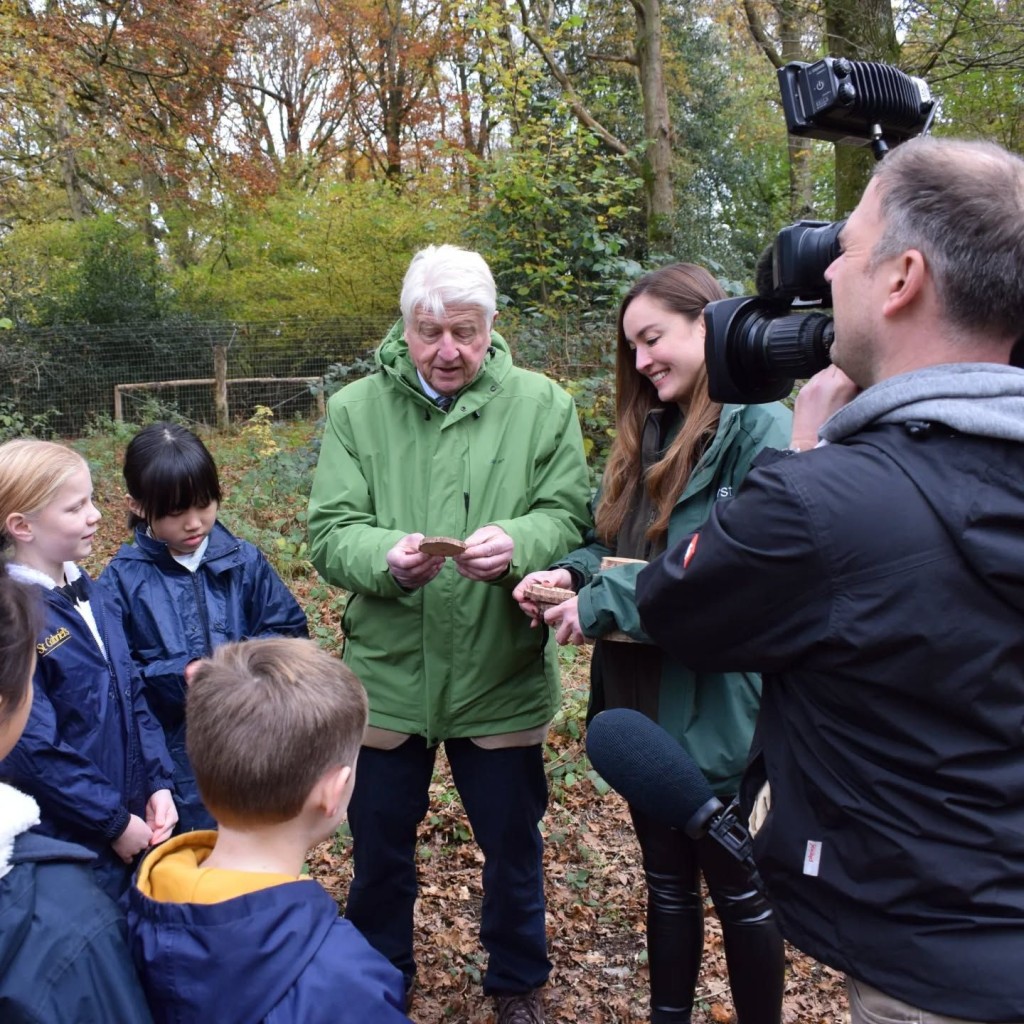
(548, 597)
(446, 546)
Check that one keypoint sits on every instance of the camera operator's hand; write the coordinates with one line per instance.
(825, 393)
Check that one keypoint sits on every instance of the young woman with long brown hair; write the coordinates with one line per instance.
(676, 453)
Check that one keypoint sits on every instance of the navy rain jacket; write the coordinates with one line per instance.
(91, 754)
(280, 955)
(878, 583)
(172, 616)
(63, 951)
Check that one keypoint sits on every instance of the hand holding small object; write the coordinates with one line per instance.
(133, 840)
(525, 591)
(410, 567)
(161, 816)
(487, 555)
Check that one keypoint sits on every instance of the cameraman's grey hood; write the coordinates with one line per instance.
(983, 399)
(975, 489)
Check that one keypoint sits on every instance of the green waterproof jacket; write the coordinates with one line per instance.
(710, 713)
(456, 657)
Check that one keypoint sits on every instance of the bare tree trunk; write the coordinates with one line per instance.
(475, 138)
(793, 31)
(657, 167)
(77, 201)
(795, 39)
(393, 98)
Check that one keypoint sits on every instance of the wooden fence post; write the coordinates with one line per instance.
(220, 387)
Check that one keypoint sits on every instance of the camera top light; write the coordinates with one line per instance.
(854, 101)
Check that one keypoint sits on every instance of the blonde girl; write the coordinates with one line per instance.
(91, 754)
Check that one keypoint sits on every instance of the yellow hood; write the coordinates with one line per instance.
(173, 873)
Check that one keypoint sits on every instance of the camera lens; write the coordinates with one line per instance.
(753, 355)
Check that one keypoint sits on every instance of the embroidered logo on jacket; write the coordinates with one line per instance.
(53, 641)
(691, 550)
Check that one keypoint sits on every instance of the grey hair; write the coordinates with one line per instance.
(961, 204)
(445, 275)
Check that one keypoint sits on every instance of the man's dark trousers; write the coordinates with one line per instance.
(504, 792)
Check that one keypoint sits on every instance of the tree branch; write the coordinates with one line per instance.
(256, 87)
(757, 30)
(940, 47)
(614, 58)
(576, 104)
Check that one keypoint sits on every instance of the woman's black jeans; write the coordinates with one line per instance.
(754, 953)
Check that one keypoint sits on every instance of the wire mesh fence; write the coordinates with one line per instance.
(71, 377)
(74, 375)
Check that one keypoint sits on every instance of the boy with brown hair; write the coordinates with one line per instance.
(274, 730)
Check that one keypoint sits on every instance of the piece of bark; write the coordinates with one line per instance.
(548, 596)
(446, 546)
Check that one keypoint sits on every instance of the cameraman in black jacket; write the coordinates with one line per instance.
(877, 582)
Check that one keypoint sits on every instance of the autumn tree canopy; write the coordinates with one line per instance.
(258, 149)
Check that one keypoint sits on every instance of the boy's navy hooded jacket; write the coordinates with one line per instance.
(91, 754)
(279, 955)
(172, 616)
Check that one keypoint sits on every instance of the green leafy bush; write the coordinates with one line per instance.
(14, 423)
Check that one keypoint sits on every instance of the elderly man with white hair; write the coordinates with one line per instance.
(450, 443)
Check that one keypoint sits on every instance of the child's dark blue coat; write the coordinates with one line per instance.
(91, 754)
(172, 616)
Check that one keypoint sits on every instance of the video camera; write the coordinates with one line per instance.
(755, 346)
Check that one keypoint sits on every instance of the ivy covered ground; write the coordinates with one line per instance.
(595, 885)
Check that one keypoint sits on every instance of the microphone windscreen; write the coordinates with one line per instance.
(642, 762)
(764, 273)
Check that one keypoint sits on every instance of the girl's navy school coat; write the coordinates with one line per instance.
(92, 753)
(172, 616)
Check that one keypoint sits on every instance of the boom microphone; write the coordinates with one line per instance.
(642, 762)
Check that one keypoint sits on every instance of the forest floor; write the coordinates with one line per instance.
(595, 901)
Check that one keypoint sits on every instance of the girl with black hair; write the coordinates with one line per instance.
(186, 584)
